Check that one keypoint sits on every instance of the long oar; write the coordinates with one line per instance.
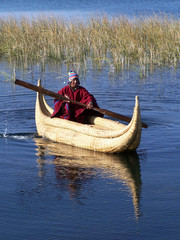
(58, 96)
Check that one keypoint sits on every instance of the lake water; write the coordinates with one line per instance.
(53, 191)
(79, 8)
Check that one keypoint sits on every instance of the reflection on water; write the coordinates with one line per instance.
(75, 166)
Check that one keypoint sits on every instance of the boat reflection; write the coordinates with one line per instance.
(74, 167)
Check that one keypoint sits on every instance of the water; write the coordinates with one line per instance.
(53, 191)
(78, 8)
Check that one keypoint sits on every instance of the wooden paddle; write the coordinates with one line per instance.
(58, 96)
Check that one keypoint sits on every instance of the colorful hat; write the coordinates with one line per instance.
(72, 74)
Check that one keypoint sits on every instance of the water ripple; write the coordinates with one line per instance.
(19, 136)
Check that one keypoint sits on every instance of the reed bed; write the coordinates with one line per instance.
(120, 42)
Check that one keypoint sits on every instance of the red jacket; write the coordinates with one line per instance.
(71, 111)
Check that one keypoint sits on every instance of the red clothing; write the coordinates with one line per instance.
(71, 111)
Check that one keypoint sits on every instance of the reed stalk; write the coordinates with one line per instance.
(146, 42)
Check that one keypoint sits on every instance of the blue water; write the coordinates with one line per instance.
(57, 192)
(77, 8)
(52, 191)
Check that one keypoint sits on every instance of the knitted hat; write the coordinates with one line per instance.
(72, 74)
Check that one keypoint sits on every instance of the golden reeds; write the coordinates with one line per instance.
(120, 42)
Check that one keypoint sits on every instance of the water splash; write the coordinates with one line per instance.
(5, 129)
(21, 136)
(18, 136)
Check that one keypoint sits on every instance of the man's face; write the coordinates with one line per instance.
(74, 82)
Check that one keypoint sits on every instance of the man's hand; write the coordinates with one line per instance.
(66, 96)
(89, 105)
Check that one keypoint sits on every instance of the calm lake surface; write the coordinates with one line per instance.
(54, 191)
(80, 8)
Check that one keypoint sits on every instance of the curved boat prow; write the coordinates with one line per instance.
(39, 82)
(137, 139)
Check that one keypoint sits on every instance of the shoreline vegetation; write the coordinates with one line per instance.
(117, 42)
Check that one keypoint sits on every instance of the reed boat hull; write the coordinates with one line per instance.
(103, 135)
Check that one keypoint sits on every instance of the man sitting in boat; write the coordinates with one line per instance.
(73, 91)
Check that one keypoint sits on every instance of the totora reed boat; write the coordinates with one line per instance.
(100, 134)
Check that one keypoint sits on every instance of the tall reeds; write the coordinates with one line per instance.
(120, 42)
